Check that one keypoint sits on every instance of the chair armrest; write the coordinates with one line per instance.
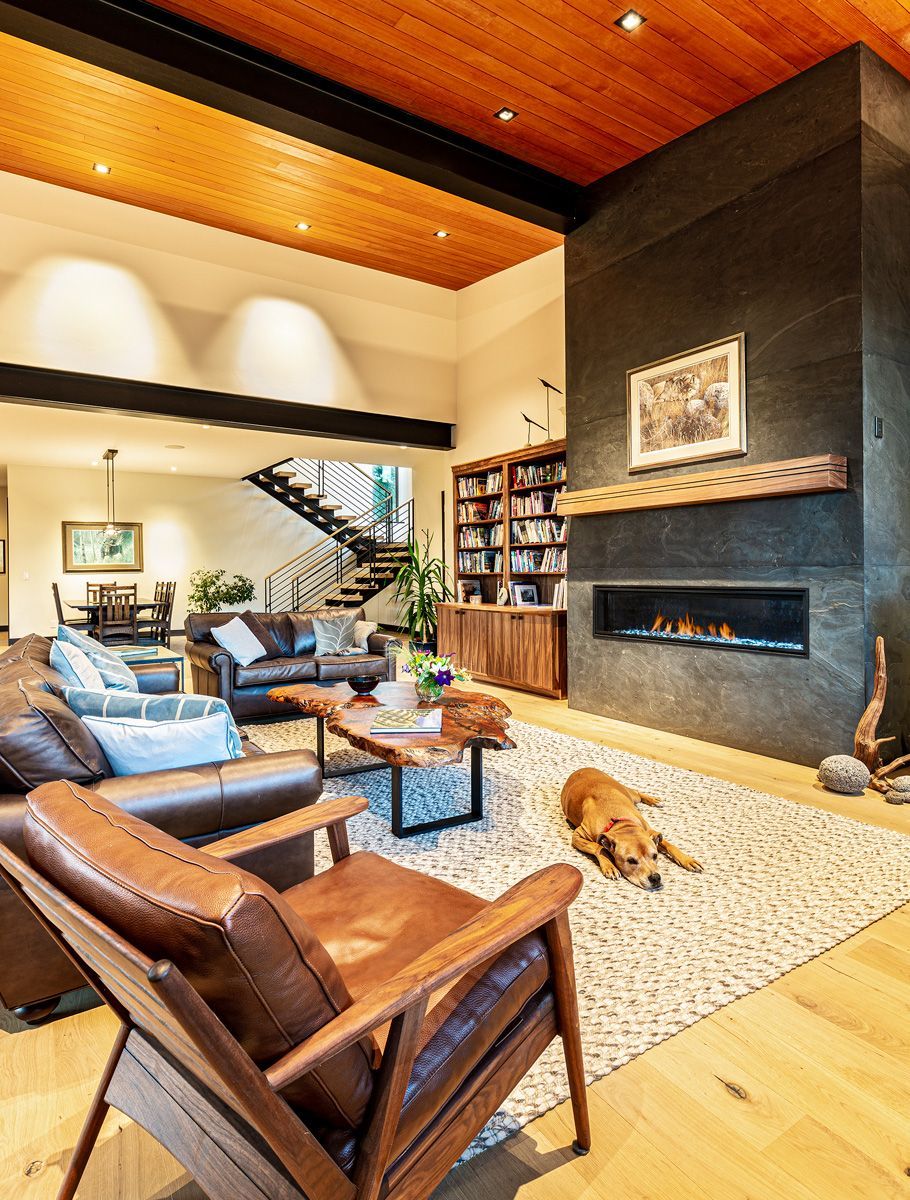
(213, 670)
(525, 907)
(157, 679)
(209, 656)
(275, 833)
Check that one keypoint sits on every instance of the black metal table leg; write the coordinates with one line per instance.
(476, 814)
(397, 827)
(477, 783)
(320, 743)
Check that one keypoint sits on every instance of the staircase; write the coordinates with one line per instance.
(366, 534)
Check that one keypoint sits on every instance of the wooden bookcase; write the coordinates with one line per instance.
(507, 531)
(495, 514)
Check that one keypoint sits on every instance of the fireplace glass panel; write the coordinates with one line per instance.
(770, 620)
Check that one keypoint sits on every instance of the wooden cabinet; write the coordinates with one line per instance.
(523, 648)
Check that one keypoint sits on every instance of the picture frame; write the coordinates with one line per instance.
(689, 407)
(2, 556)
(87, 548)
(469, 588)
(524, 595)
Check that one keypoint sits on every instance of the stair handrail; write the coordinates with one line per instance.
(333, 537)
(302, 467)
(339, 546)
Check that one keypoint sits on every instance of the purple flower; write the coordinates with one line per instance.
(444, 677)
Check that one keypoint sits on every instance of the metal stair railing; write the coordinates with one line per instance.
(303, 582)
(342, 481)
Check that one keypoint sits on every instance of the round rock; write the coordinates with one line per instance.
(844, 773)
(893, 797)
(900, 784)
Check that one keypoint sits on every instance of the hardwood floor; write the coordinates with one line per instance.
(799, 1091)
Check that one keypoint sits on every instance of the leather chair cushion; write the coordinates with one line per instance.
(251, 957)
(199, 627)
(262, 633)
(274, 671)
(42, 739)
(343, 666)
(374, 917)
(302, 625)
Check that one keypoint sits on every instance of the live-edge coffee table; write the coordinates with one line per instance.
(470, 720)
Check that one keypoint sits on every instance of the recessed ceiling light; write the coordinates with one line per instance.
(630, 20)
(173, 468)
(506, 114)
(441, 233)
(95, 462)
(101, 168)
(302, 226)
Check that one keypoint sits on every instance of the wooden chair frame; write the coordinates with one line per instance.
(117, 614)
(176, 1070)
(157, 624)
(80, 623)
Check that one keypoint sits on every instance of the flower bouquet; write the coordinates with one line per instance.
(432, 673)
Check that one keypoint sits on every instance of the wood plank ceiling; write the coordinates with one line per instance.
(59, 116)
(590, 97)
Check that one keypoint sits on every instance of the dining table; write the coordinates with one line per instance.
(91, 607)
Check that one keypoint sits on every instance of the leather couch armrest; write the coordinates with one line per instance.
(157, 679)
(386, 644)
(213, 670)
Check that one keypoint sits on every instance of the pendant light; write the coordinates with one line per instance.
(111, 528)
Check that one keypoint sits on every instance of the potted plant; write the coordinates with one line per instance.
(422, 582)
(432, 673)
(209, 590)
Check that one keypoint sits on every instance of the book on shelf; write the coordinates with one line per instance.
(480, 510)
(539, 529)
(532, 504)
(479, 562)
(480, 485)
(561, 594)
(407, 720)
(473, 537)
(534, 474)
(550, 561)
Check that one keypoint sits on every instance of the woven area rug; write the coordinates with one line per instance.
(782, 883)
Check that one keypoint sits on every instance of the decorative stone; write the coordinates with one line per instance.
(893, 797)
(900, 784)
(844, 773)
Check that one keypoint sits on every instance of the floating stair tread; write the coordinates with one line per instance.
(285, 474)
(301, 487)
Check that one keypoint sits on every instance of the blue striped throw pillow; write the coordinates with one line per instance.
(150, 708)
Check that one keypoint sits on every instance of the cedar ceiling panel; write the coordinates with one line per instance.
(590, 97)
(60, 115)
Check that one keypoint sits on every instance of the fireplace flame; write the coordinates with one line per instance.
(686, 627)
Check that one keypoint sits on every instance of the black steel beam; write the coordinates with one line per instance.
(145, 43)
(135, 397)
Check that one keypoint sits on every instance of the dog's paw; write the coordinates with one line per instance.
(690, 864)
(607, 869)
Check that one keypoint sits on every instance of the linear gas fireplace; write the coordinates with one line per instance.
(769, 620)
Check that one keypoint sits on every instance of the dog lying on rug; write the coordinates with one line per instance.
(608, 826)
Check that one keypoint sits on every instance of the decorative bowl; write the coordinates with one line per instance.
(363, 684)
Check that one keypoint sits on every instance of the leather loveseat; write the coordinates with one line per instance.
(42, 740)
(246, 688)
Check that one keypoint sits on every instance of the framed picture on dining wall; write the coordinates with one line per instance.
(2, 556)
(87, 547)
(688, 408)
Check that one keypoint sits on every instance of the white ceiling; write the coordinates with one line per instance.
(34, 435)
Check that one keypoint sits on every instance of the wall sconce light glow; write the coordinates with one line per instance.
(441, 233)
(630, 20)
(173, 468)
(206, 427)
(506, 114)
(302, 226)
(101, 168)
(94, 462)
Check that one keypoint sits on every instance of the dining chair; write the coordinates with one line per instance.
(156, 626)
(93, 591)
(344, 1039)
(117, 621)
(80, 623)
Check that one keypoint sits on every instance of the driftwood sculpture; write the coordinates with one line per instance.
(866, 745)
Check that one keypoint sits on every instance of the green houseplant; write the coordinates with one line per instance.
(422, 582)
(210, 590)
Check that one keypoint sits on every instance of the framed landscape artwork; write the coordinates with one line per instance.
(2, 556)
(86, 546)
(688, 408)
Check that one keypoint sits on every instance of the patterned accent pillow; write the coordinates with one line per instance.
(335, 636)
(363, 631)
(112, 669)
(151, 708)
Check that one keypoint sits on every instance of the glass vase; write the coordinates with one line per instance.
(428, 690)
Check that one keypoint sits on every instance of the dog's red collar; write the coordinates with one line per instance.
(616, 821)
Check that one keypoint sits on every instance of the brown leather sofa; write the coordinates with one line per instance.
(42, 740)
(246, 688)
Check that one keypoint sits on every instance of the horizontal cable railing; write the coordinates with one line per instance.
(343, 482)
(362, 549)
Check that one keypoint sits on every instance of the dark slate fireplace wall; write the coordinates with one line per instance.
(754, 222)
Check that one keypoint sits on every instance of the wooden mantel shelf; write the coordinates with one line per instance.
(793, 477)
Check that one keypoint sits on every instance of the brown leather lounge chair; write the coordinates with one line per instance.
(342, 1040)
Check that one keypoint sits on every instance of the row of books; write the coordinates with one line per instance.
(474, 562)
(480, 485)
(475, 536)
(530, 474)
(529, 504)
(561, 594)
(480, 510)
(539, 529)
(551, 560)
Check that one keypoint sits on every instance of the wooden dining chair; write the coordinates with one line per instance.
(80, 623)
(276, 1050)
(117, 619)
(93, 591)
(156, 626)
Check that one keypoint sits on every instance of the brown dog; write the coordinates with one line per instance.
(609, 826)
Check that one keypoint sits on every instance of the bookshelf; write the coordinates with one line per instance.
(507, 529)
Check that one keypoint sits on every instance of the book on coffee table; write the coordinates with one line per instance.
(408, 720)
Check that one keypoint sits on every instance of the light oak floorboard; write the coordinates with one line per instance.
(796, 1092)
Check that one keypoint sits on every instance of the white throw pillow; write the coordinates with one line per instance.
(76, 667)
(239, 641)
(363, 630)
(134, 746)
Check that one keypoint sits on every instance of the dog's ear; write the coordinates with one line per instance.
(607, 842)
(658, 838)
